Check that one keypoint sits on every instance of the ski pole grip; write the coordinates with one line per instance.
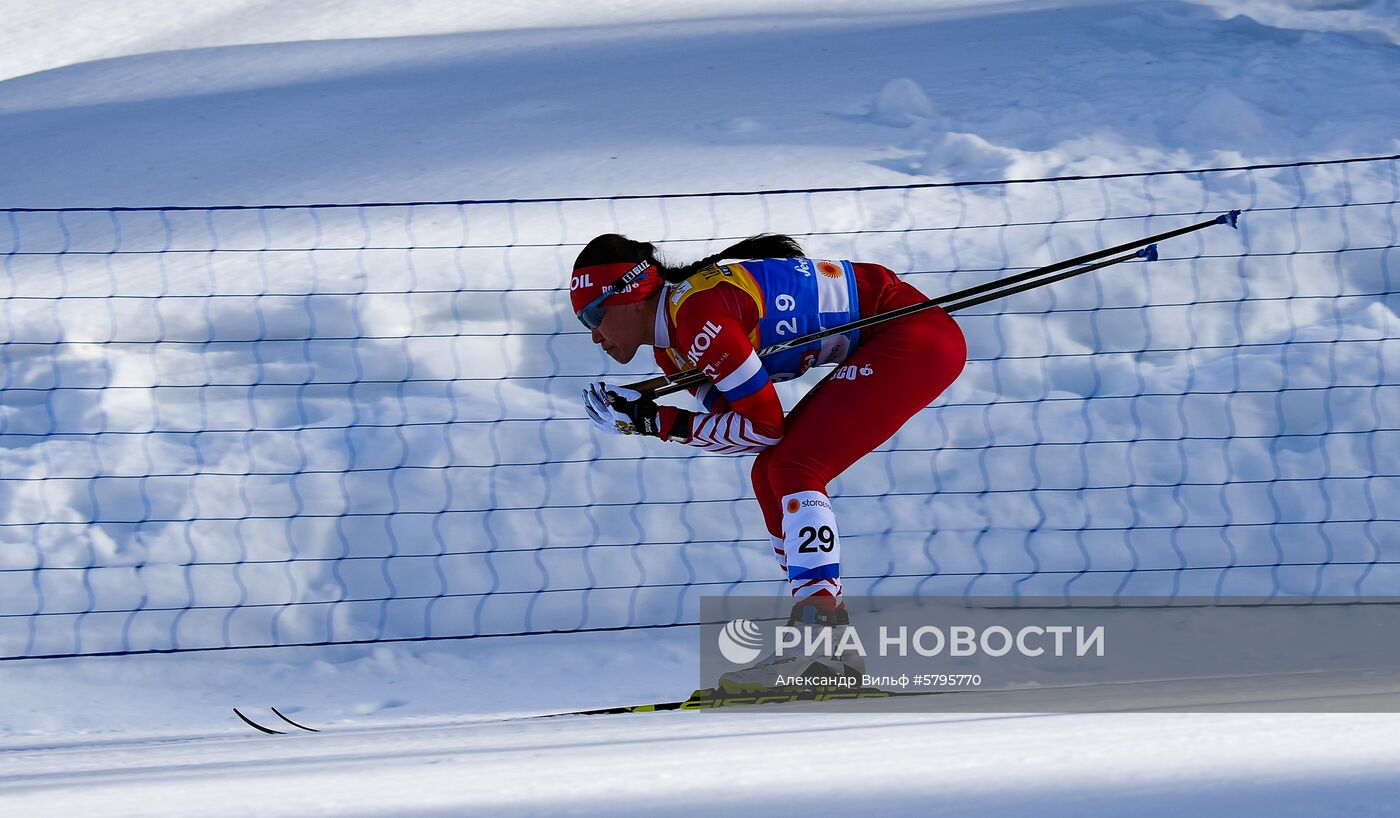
(651, 386)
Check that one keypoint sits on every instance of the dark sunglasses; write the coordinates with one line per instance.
(592, 313)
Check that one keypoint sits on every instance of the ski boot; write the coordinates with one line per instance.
(772, 672)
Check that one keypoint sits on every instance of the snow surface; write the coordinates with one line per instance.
(708, 764)
(238, 102)
(241, 103)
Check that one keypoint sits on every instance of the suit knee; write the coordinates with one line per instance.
(791, 475)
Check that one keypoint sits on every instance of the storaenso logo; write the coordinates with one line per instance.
(740, 641)
(793, 505)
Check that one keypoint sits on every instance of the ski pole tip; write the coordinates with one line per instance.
(1232, 218)
(1149, 252)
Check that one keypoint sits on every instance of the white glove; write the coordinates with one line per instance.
(606, 406)
(618, 410)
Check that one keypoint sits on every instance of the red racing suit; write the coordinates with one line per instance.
(717, 320)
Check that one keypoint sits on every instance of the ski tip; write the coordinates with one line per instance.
(268, 730)
(292, 723)
(1149, 252)
(1232, 218)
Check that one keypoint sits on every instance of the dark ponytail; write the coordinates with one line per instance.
(764, 245)
(611, 248)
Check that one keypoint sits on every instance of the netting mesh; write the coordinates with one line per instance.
(228, 427)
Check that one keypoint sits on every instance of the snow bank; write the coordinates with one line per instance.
(258, 102)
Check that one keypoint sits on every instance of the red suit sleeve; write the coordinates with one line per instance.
(706, 393)
(712, 335)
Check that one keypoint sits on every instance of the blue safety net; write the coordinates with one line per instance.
(229, 427)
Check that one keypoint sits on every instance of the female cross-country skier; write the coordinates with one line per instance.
(715, 317)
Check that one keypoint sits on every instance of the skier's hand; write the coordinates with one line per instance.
(618, 410)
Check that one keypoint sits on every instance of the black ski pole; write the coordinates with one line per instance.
(1148, 253)
(1145, 248)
